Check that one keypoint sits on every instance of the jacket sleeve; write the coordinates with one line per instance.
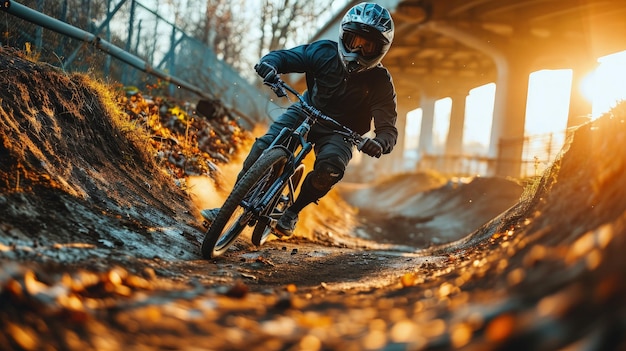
(383, 108)
(310, 58)
(294, 60)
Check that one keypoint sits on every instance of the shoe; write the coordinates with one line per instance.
(210, 213)
(287, 223)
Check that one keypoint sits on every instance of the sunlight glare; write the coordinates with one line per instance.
(607, 84)
(547, 107)
(413, 128)
(411, 138)
(478, 119)
(441, 125)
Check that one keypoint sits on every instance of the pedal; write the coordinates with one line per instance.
(273, 228)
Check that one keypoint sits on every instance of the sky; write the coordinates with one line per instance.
(547, 105)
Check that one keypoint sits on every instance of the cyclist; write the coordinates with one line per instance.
(346, 81)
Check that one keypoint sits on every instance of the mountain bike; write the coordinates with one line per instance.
(269, 186)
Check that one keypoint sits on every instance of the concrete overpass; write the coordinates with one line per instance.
(444, 48)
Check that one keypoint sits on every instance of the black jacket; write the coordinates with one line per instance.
(351, 100)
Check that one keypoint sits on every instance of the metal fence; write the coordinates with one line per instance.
(155, 54)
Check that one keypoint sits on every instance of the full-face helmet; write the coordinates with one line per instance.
(365, 36)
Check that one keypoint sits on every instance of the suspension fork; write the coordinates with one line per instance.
(288, 171)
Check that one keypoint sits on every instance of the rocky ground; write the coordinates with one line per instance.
(100, 234)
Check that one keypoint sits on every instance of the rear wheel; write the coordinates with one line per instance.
(236, 213)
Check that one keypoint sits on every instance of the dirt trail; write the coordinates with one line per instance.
(99, 246)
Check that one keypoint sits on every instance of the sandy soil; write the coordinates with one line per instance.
(100, 235)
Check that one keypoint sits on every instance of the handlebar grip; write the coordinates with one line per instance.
(361, 144)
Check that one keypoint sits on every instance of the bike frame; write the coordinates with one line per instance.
(261, 200)
(290, 167)
(285, 139)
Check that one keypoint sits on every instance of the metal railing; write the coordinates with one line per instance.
(156, 53)
(539, 152)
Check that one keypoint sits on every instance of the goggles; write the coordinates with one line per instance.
(357, 43)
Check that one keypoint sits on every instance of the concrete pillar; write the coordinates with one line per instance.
(509, 117)
(425, 145)
(506, 121)
(454, 141)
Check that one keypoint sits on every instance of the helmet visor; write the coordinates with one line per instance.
(358, 43)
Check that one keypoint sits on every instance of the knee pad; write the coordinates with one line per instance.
(325, 175)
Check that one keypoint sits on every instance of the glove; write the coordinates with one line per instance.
(266, 71)
(372, 147)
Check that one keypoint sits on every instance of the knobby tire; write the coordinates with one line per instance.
(218, 238)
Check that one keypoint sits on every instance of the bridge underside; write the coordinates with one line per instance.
(444, 48)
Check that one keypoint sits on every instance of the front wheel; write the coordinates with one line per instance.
(237, 211)
(277, 207)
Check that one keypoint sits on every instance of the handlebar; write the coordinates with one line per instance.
(280, 88)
